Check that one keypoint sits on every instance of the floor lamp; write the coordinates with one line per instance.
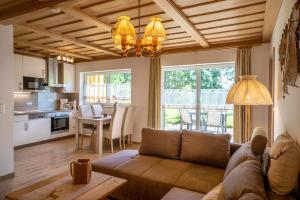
(248, 92)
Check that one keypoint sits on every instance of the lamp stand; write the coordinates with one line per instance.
(247, 136)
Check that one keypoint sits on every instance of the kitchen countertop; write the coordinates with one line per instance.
(32, 112)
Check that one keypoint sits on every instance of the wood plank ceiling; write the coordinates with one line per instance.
(82, 28)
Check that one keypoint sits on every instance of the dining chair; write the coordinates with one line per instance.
(214, 119)
(115, 128)
(97, 110)
(185, 118)
(128, 125)
(86, 111)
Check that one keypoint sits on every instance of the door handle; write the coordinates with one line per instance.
(25, 126)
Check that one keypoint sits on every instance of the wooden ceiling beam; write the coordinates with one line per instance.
(27, 7)
(271, 14)
(169, 7)
(60, 36)
(76, 12)
(24, 11)
(49, 48)
(29, 53)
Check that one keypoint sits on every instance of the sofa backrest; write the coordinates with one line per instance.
(168, 144)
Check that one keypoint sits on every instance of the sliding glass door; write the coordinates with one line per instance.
(193, 97)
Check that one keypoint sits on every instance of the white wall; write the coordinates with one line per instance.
(6, 97)
(260, 67)
(139, 89)
(286, 111)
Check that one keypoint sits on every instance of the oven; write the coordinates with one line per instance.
(59, 123)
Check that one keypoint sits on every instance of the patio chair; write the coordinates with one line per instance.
(185, 118)
(214, 119)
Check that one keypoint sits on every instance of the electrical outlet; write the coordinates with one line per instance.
(2, 109)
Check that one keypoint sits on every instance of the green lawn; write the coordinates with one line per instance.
(172, 116)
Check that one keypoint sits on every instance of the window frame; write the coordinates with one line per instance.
(106, 77)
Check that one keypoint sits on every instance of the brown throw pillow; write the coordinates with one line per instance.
(160, 143)
(242, 154)
(205, 148)
(217, 193)
(259, 140)
(250, 196)
(284, 164)
(245, 178)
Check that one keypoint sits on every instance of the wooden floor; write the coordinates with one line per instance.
(41, 161)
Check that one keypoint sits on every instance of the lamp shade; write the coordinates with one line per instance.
(155, 30)
(249, 91)
(123, 29)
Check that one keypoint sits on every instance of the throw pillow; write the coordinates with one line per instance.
(242, 154)
(205, 148)
(217, 193)
(284, 165)
(259, 140)
(245, 178)
(160, 143)
(250, 196)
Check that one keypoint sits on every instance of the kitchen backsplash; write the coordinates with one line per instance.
(47, 100)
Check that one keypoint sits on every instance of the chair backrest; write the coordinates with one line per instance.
(97, 109)
(214, 118)
(85, 110)
(185, 116)
(128, 121)
(115, 127)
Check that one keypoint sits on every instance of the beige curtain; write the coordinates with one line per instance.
(242, 134)
(154, 93)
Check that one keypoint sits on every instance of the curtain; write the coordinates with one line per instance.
(154, 93)
(241, 133)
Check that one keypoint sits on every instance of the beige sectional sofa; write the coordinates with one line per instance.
(171, 165)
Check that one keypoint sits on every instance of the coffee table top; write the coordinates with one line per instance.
(61, 187)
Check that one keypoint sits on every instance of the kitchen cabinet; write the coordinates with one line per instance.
(28, 131)
(39, 129)
(21, 133)
(73, 122)
(67, 77)
(34, 67)
(18, 73)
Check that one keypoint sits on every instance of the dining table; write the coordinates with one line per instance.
(99, 122)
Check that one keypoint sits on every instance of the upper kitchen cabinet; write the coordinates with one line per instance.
(67, 77)
(34, 67)
(18, 73)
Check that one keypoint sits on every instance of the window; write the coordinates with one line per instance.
(107, 87)
(193, 97)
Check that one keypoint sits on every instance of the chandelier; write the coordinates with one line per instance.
(126, 39)
(65, 59)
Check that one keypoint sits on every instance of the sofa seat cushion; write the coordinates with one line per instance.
(200, 178)
(167, 171)
(109, 163)
(182, 194)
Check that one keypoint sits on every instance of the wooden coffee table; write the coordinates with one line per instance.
(60, 187)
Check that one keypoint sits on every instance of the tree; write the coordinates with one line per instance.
(211, 78)
(119, 77)
(180, 79)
